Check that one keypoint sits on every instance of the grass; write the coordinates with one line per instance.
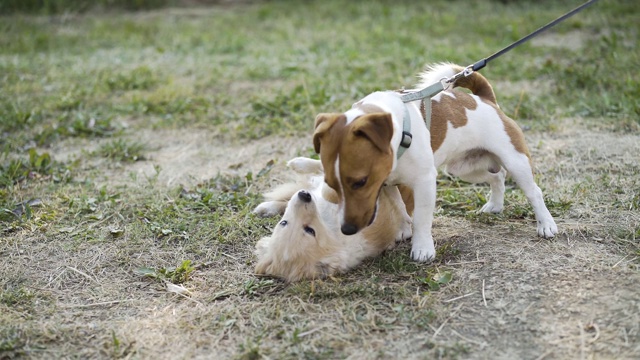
(134, 146)
(121, 150)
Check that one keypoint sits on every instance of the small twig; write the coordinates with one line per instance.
(480, 343)
(229, 256)
(621, 260)
(188, 298)
(96, 304)
(92, 225)
(444, 322)
(309, 332)
(440, 327)
(597, 329)
(83, 274)
(466, 262)
(459, 297)
(484, 299)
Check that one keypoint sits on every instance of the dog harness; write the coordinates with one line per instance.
(424, 96)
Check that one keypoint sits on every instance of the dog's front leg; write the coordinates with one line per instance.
(424, 189)
(399, 208)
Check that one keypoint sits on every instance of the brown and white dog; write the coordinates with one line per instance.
(470, 136)
(307, 242)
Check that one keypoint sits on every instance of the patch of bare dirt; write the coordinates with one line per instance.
(188, 157)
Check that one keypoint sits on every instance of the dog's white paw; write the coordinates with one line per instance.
(547, 229)
(270, 208)
(422, 255)
(405, 232)
(423, 252)
(492, 208)
(303, 165)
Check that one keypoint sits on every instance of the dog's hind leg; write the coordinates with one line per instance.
(495, 181)
(483, 167)
(519, 169)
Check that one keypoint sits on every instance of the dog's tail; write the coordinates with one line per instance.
(475, 82)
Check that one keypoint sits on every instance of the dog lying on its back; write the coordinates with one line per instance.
(307, 242)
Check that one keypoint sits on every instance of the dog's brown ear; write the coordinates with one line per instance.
(377, 127)
(324, 122)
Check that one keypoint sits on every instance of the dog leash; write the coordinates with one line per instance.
(434, 89)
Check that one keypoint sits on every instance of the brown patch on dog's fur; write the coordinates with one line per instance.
(369, 108)
(449, 109)
(480, 87)
(516, 135)
(453, 110)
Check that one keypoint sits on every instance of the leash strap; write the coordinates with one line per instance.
(429, 92)
(482, 63)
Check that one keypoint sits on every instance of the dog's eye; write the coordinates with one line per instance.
(309, 231)
(284, 222)
(360, 183)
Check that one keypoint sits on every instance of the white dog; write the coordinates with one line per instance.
(469, 135)
(307, 242)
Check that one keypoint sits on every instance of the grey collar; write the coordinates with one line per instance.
(405, 141)
(425, 96)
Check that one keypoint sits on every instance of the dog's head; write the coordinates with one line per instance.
(298, 244)
(357, 158)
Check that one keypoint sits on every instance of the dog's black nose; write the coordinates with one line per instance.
(304, 196)
(349, 229)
